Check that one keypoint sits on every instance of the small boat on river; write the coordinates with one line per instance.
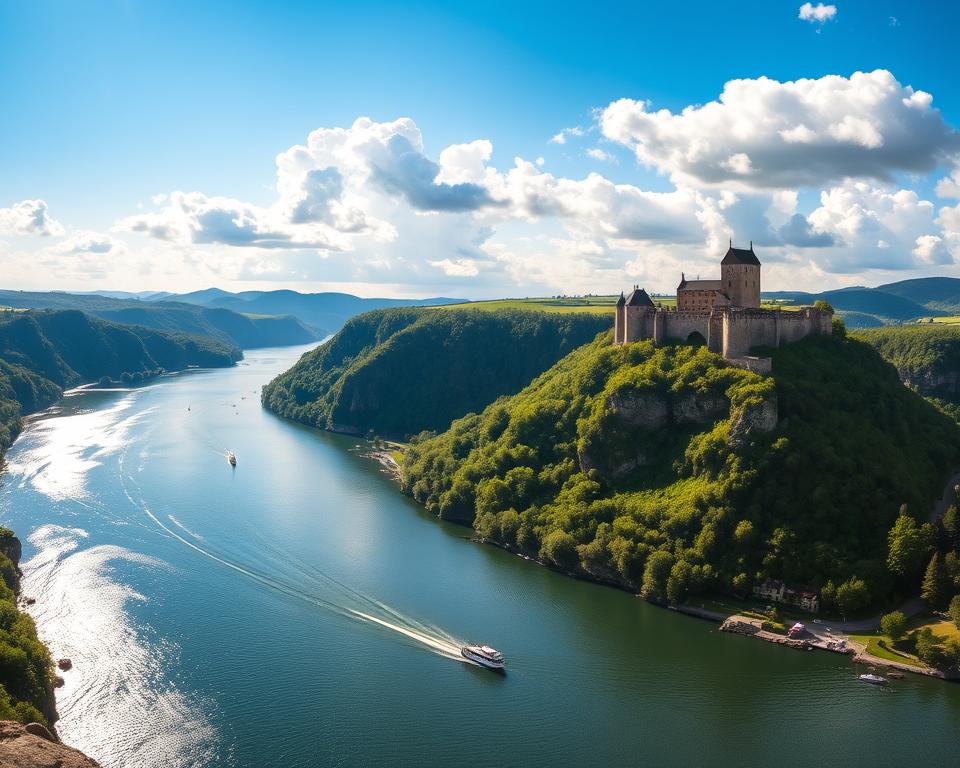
(483, 655)
(232, 458)
(873, 679)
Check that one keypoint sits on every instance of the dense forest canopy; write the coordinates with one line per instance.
(917, 350)
(653, 468)
(399, 371)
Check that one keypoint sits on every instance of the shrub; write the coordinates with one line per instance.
(893, 624)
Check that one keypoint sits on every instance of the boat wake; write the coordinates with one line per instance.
(315, 587)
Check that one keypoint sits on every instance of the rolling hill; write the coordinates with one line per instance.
(324, 312)
(934, 293)
(44, 352)
(223, 325)
(862, 307)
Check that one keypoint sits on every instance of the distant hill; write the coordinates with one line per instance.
(324, 312)
(862, 307)
(44, 352)
(935, 293)
(224, 325)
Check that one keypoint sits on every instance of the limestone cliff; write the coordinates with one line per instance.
(33, 746)
(639, 424)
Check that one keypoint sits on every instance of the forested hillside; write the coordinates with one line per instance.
(935, 293)
(926, 356)
(670, 472)
(223, 325)
(399, 371)
(42, 353)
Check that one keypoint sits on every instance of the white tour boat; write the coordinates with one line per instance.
(873, 679)
(483, 655)
(232, 458)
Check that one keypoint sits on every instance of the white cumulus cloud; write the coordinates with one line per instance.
(85, 241)
(29, 217)
(808, 132)
(817, 14)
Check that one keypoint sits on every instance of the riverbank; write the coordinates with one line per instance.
(28, 678)
(389, 457)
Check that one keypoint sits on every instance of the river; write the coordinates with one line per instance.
(299, 611)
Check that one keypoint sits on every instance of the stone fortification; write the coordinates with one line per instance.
(724, 314)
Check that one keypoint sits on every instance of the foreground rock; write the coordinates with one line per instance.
(32, 746)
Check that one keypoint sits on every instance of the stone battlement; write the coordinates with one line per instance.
(723, 314)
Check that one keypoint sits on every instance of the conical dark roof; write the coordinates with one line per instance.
(741, 256)
(621, 301)
(639, 298)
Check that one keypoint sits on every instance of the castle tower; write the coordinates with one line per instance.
(740, 276)
(638, 313)
(619, 321)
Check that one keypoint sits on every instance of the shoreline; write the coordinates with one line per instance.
(811, 641)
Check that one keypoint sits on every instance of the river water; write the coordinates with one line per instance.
(298, 611)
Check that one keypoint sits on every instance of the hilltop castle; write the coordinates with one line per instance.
(724, 314)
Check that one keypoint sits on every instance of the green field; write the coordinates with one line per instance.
(597, 304)
(945, 320)
(872, 641)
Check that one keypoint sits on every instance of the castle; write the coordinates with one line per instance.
(724, 314)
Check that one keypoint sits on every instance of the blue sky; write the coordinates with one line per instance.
(109, 104)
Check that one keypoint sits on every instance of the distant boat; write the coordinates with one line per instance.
(483, 655)
(232, 458)
(873, 679)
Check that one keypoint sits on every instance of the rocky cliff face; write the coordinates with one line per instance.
(33, 746)
(11, 547)
(632, 443)
(932, 384)
(752, 420)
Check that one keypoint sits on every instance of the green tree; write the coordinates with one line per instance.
(951, 561)
(853, 595)
(560, 548)
(893, 624)
(822, 305)
(655, 576)
(907, 545)
(744, 532)
(935, 589)
(954, 610)
(930, 649)
(950, 523)
(678, 583)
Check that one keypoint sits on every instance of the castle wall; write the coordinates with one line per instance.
(806, 322)
(729, 331)
(677, 326)
(743, 329)
(715, 339)
(638, 323)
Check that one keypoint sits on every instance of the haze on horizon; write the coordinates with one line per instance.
(475, 150)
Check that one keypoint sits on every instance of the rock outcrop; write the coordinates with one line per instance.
(621, 452)
(640, 409)
(751, 420)
(11, 547)
(33, 746)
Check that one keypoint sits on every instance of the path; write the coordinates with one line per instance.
(946, 499)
